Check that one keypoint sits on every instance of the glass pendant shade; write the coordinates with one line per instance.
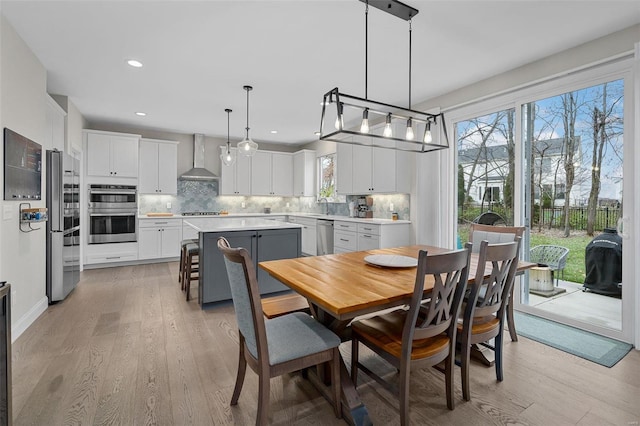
(228, 157)
(247, 146)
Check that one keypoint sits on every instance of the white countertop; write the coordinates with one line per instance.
(377, 221)
(220, 224)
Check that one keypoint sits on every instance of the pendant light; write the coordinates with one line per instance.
(363, 121)
(228, 157)
(247, 146)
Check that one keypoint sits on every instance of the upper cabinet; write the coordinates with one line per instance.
(56, 120)
(236, 179)
(158, 167)
(304, 173)
(112, 154)
(371, 170)
(271, 173)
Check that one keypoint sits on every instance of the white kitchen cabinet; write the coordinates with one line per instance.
(304, 174)
(308, 234)
(112, 154)
(344, 168)
(55, 125)
(158, 167)
(236, 179)
(358, 236)
(158, 239)
(272, 173)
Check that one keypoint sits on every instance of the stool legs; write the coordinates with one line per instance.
(191, 267)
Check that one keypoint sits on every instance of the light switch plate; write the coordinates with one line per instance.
(390, 207)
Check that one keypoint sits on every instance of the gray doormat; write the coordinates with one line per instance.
(599, 349)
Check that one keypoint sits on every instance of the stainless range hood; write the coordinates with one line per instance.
(198, 172)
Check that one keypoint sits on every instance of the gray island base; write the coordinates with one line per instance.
(264, 240)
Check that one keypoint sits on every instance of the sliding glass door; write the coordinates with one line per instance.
(554, 158)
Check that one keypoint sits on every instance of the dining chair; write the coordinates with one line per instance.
(485, 307)
(273, 347)
(425, 334)
(498, 234)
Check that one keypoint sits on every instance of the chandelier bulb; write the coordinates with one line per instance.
(409, 135)
(339, 124)
(428, 137)
(364, 127)
(387, 132)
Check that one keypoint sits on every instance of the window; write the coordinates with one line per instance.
(327, 177)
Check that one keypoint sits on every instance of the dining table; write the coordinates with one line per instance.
(341, 287)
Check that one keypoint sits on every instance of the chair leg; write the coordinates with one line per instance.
(498, 354)
(335, 382)
(187, 276)
(181, 266)
(448, 377)
(465, 354)
(511, 320)
(262, 417)
(242, 368)
(403, 388)
(354, 362)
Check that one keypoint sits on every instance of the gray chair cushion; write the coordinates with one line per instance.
(296, 335)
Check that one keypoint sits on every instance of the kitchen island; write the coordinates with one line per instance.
(264, 240)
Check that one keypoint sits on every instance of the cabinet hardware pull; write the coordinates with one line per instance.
(367, 236)
(113, 257)
(342, 239)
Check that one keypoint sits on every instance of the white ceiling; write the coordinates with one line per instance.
(198, 55)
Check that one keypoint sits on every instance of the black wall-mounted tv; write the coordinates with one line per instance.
(22, 167)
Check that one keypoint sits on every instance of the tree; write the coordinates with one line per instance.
(570, 112)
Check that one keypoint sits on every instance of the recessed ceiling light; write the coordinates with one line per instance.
(134, 63)
(141, 114)
(274, 132)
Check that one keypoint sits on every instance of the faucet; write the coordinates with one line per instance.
(326, 203)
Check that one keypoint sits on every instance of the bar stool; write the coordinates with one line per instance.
(183, 257)
(191, 267)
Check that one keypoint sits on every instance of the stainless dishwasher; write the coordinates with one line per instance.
(324, 236)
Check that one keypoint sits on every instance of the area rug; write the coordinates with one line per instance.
(595, 348)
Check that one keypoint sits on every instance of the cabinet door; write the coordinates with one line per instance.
(309, 240)
(362, 169)
(384, 170)
(124, 156)
(167, 168)
(148, 181)
(243, 175)
(171, 238)
(276, 244)
(261, 173)
(298, 174)
(282, 174)
(344, 165)
(149, 240)
(98, 155)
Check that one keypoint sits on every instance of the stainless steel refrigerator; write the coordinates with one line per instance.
(63, 226)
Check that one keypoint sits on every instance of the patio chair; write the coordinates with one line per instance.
(554, 257)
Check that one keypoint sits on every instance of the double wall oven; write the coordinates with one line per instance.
(112, 214)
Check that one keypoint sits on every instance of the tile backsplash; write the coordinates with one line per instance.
(203, 196)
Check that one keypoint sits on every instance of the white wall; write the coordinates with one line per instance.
(23, 106)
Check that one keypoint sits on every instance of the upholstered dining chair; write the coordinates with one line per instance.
(273, 347)
(498, 234)
(425, 334)
(485, 307)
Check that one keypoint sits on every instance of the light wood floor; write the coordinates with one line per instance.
(125, 348)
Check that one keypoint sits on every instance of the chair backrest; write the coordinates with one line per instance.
(555, 257)
(246, 298)
(488, 295)
(450, 273)
(493, 234)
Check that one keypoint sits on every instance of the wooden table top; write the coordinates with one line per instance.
(346, 286)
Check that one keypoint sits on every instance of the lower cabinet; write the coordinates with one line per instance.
(262, 245)
(309, 234)
(352, 236)
(159, 239)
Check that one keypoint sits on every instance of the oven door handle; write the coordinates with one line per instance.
(112, 191)
(112, 214)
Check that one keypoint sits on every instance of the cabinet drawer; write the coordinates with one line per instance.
(345, 240)
(159, 223)
(365, 228)
(345, 226)
(368, 242)
(109, 258)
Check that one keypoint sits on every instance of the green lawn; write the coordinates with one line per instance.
(576, 243)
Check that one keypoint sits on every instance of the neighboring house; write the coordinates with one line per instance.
(488, 167)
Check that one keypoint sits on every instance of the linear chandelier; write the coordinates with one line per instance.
(361, 121)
